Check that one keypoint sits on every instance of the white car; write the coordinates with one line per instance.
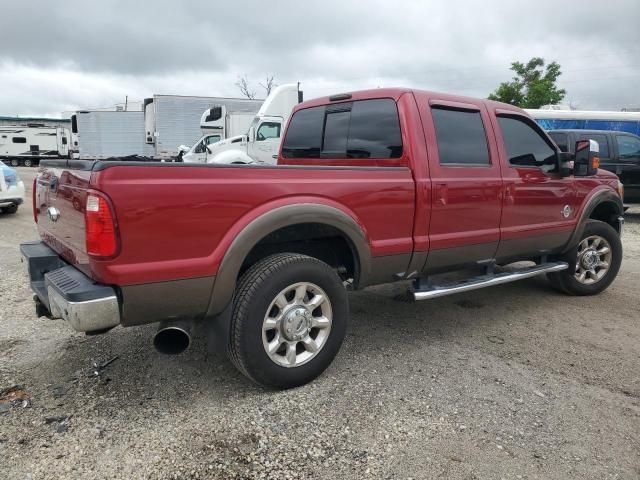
(11, 189)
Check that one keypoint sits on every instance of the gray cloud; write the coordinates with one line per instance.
(61, 55)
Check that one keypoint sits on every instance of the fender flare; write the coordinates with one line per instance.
(598, 198)
(288, 215)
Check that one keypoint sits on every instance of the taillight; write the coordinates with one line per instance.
(33, 199)
(100, 227)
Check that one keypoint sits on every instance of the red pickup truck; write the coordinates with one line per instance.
(370, 187)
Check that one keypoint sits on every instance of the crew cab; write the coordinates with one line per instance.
(371, 187)
(619, 153)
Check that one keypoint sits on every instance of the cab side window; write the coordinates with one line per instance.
(628, 146)
(361, 130)
(460, 136)
(211, 139)
(268, 130)
(525, 145)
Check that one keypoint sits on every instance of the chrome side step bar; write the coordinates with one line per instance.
(434, 291)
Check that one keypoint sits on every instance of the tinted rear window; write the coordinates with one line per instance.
(362, 129)
(461, 137)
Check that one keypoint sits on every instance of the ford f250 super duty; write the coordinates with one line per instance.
(370, 187)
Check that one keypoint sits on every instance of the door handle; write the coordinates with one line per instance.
(441, 194)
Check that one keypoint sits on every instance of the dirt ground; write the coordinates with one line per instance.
(513, 382)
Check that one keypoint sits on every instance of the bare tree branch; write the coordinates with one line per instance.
(243, 85)
(269, 84)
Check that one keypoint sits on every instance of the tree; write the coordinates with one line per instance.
(246, 90)
(533, 85)
(243, 85)
(268, 84)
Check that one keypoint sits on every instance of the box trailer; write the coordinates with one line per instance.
(105, 134)
(26, 145)
(174, 120)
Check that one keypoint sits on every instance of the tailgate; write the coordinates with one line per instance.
(59, 203)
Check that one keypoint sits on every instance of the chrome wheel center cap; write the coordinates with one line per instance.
(590, 259)
(296, 323)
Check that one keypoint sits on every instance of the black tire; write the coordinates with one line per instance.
(28, 162)
(255, 291)
(15, 162)
(10, 209)
(566, 282)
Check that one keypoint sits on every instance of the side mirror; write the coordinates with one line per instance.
(587, 158)
(208, 150)
(565, 163)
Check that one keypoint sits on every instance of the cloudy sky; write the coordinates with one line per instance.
(65, 55)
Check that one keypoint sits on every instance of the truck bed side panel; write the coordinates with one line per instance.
(176, 223)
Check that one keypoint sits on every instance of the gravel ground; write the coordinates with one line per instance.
(515, 381)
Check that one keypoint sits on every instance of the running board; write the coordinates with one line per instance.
(434, 291)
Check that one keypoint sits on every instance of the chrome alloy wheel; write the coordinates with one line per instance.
(297, 324)
(594, 259)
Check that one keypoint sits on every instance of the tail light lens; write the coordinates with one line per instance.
(100, 226)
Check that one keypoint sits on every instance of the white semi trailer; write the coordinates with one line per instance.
(174, 120)
(20, 145)
(261, 142)
(106, 134)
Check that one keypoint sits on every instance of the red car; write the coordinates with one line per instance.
(370, 187)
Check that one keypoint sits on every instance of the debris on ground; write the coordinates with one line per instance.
(15, 396)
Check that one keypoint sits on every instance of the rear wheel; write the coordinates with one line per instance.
(28, 162)
(15, 162)
(10, 209)
(290, 316)
(593, 263)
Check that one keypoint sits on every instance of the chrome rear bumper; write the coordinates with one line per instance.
(67, 293)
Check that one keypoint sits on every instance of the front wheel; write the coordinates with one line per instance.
(15, 162)
(289, 319)
(593, 263)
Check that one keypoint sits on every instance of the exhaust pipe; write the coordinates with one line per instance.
(173, 336)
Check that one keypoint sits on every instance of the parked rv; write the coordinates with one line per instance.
(173, 120)
(20, 145)
(553, 119)
(106, 134)
(261, 142)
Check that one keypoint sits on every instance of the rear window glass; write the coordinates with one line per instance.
(461, 137)
(361, 129)
(19, 140)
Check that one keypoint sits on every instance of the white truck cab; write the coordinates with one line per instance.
(262, 141)
(216, 124)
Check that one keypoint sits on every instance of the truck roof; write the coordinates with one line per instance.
(396, 93)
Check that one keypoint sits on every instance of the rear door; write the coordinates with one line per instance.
(466, 183)
(628, 148)
(540, 206)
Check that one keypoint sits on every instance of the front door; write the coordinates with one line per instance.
(540, 207)
(265, 146)
(466, 185)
